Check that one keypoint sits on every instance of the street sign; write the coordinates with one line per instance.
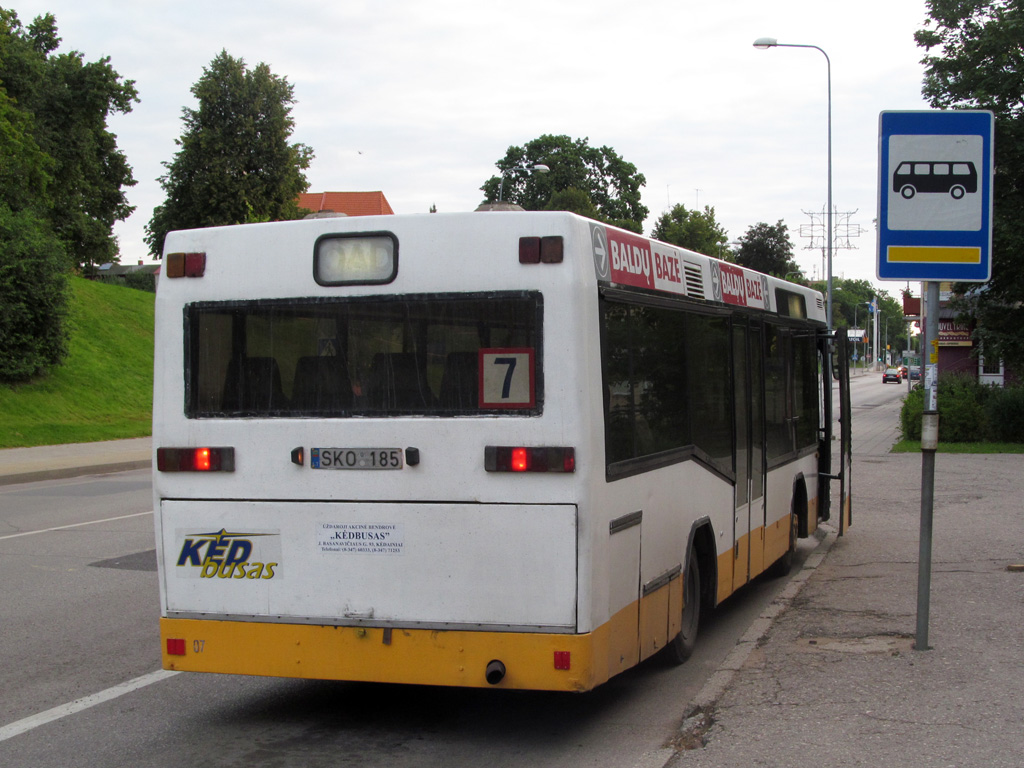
(935, 195)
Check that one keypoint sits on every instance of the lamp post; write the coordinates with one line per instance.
(887, 355)
(764, 43)
(867, 346)
(536, 168)
(855, 343)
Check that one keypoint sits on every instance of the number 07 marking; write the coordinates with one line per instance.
(507, 378)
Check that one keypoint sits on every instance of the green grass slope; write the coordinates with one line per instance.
(104, 389)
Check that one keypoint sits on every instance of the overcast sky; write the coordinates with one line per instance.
(421, 99)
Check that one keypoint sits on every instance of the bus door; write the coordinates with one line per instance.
(842, 373)
(827, 468)
(749, 515)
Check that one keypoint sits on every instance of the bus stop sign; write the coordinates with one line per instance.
(935, 195)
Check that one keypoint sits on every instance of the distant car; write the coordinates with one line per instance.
(892, 374)
(915, 374)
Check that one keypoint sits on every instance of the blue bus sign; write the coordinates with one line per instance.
(935, 195)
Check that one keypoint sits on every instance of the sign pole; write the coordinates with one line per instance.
(929, 446)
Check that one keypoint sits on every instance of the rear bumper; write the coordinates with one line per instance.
(374, 654)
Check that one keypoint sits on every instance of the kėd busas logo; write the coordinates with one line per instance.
(230, 555)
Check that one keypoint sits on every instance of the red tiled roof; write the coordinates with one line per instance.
(351, 203)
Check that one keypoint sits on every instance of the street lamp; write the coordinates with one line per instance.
(537, 168)
(733, 244)
(764, 43)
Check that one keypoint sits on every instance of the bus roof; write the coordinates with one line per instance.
(462, 252)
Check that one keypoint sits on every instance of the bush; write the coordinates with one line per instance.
(1005, 410)
(141, 281)
(910, 413)
(969, 412)
(961, 409)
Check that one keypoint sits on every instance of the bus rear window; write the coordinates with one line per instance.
(394, 355)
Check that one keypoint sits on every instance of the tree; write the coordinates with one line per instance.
(767, 248)
(696, 230)
(978, 63)
(69, 101)
(850, 300)
(33, 286)
(573, 200)
(235, 164)
(612, 184)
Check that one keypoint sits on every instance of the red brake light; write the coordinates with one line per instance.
(201, 460)
(195, 459)
(501, 458)
(519, 462)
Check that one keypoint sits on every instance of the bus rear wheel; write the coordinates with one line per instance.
(683, 645)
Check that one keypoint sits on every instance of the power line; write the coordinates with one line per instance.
(843, 231)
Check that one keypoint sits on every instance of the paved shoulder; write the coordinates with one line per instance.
(48, 462)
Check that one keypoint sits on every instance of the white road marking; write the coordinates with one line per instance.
(73, 525)
(34, 721)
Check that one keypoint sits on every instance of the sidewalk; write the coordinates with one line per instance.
(24, 465)
(829, 675)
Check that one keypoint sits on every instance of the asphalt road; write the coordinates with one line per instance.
(78, 625)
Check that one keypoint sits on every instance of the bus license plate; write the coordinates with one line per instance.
(356, 458)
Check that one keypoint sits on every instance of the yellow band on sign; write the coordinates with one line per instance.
(925, 254)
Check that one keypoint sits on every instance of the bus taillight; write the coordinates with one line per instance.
(501, 458)
(195, 459)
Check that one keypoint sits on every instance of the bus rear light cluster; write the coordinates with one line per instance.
(185, 265)
(195, 459)
(501, 458)
(541, 250)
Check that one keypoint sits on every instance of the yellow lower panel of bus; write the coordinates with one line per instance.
(776, 541)
(416, 656)
(768, 545)
(532, 661)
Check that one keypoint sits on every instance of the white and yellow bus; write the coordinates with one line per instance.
(517, 450)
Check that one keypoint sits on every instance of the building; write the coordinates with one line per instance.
(957, 352)
(348, 203)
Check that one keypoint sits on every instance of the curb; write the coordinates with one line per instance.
(60, 473)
